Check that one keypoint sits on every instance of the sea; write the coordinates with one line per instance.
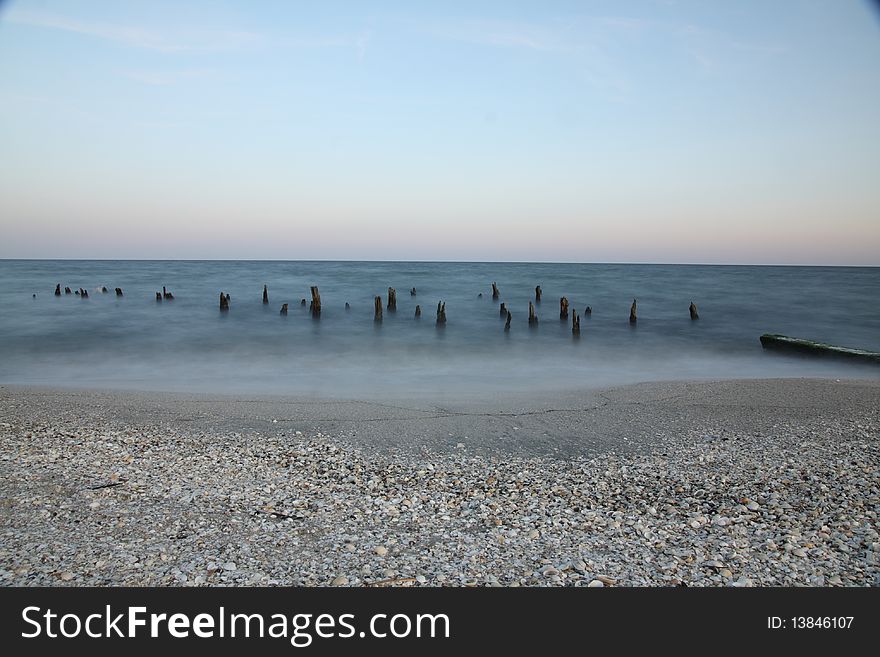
(188, 344)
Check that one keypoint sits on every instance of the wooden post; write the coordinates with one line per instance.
(418, 311)
(533, 318)
(158, 296)
(347, 306)
(58, 290)
(166, 294)
(392, 300)
(103, 289)
(118, 291)
(575, 323)
(412, 292)
(694, 313)
(507, 323)
(632, 313)
(503, 311)
(67, 290)
(537, 294)
(284, 309)
(563, 308)
(315, 306)
(588, 310)
(83, 294)
(441, 312)
(265, 294)
(377, 302)
(302, 302)
(224, 301)
(494, 291)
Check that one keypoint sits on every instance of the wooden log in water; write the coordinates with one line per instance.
(83, 294)
(119, 292)
(67, 290)
(158, 296)
(810, 348)
(377, 314)
(224, 301)
(563, 308)
(507, 323)
(284, 309)
(693, 311)
(392, 300)
(495, 292)
(103, 290)
(588, 311)
(441, 312)
(503, 311)
(575, 323)
(412, 292)
(418, 311)
(58, 290)
(166, 294)
(537, 294)
(302, 302)
(266, 294)
(315, 305)
(533, 318)
(347, 306)
(632, 313)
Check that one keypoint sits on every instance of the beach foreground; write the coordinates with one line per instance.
(769, 482)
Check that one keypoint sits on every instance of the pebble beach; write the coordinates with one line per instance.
(734, 483)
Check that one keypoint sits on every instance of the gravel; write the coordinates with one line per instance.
(91, 500)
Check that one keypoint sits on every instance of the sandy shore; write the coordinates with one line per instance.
(770, 482)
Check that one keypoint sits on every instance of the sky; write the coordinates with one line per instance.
(655, 131)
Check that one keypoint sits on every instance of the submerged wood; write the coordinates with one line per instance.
(377, 315)
(503, 311)
(103, 290)
(537, 294)
(84, 294)
(166, 294)
(632, 313)
(284, 309)
(418, 311)
(563, 308)
(441, 312)
(495, 292)
(575, 323)
(224, 301)
(588, 310)
(347, 306)
(302, 302)
(392, 299)
(266, 294)
(412, 292)
(693, 311)
(315, 306)
(810, 348)
(58, 290)
(158, 296)
(67, 290)
(507, 323)
(119, 292)
(533, 318)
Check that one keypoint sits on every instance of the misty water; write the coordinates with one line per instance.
(135, 342)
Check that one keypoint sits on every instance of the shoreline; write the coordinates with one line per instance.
(743, 482)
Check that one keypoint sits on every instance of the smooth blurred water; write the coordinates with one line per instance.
(188, 344)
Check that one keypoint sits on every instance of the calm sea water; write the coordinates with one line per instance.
(188, 344)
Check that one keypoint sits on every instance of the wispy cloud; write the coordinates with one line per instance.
(186, 40)
(166, 78)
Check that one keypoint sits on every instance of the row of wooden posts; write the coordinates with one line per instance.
(315, 305)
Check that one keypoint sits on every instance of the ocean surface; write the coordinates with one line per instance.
(187, 344)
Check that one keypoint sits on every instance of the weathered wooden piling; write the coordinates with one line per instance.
(418, 311)
(632, 313)
(480, 295)
(158, 296)
(315, 306)
(588, 310)
(67, 290)
(166, 294)
(693, 311)
(103, 290)
(441, 312)
(575, 323)
(224, 301)
(412, 292)
(533, 318)
(495, 292)
(347, 306)
(84, 294)
(537, 294)
(503, 311)
(77, 292)
(507, 323)
(563, 308)
(392, 300)
(119, 292)
(377, 313)
(266, 294)
(58, 290)
(284, 309)
(302, 302)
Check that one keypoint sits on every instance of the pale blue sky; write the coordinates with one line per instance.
(576, 131)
